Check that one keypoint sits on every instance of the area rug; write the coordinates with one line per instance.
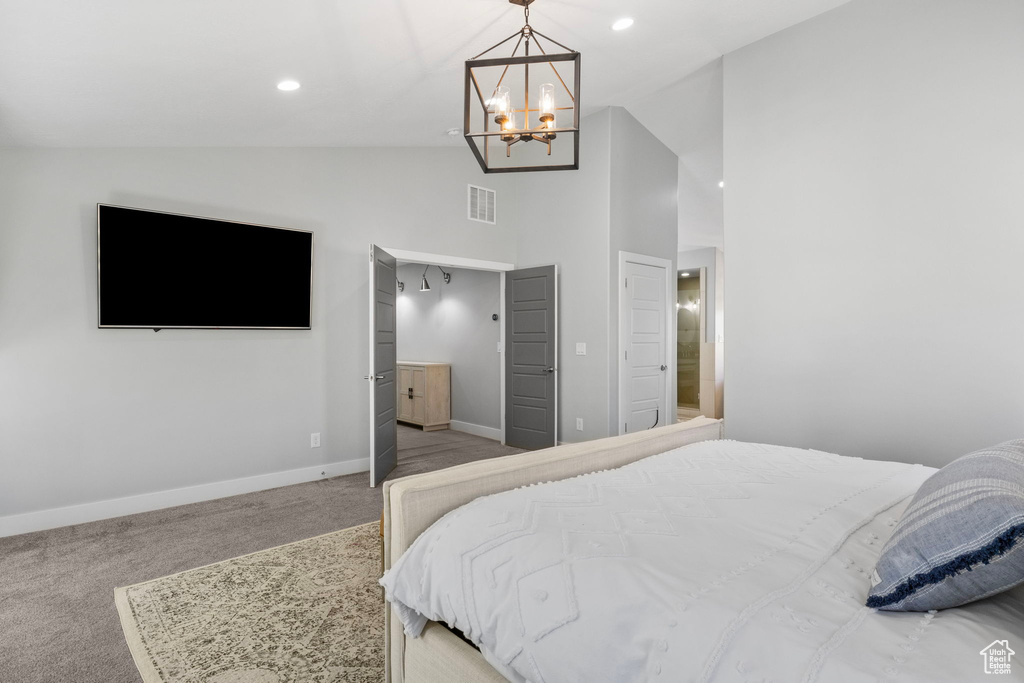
(308, 612)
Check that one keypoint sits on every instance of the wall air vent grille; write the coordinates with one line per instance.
(482, 204)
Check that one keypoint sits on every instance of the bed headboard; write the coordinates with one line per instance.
(411, 504)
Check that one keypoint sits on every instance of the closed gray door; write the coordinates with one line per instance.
(383, 428)
(531, 342)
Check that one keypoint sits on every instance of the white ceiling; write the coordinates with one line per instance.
(377, 72)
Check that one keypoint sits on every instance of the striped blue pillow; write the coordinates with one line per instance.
(961, 538)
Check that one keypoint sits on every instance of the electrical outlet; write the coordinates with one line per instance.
(581, 348)
(314, 440)
(579, 424)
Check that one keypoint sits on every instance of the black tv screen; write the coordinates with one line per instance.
(158, 270)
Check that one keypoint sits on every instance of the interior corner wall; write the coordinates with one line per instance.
(90, 415)
(874, 230)
(642, 215)
(452, 324)
(563, 219)
(687, 117)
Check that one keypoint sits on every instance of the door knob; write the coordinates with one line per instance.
(664, 367)
(373, 377)
(550, 370)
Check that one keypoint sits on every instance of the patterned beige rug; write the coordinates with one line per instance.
(308, 612)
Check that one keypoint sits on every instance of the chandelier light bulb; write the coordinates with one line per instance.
(502, 105)
(546, 109)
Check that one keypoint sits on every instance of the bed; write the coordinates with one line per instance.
(533, 559)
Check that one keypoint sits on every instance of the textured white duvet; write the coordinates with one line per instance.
(718, 561)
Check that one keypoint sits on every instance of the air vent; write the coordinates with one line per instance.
(482, 204)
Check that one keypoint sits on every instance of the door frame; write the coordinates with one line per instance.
(670, 332)
(447, 260)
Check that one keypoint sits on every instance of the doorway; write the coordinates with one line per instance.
(689, 334)
(527, 314)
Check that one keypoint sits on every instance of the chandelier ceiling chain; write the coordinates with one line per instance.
(510, 98)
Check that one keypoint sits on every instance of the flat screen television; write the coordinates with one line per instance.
(165, 270)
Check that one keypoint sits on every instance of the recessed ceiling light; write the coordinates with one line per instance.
(454, 132)
(622, 24)
(684, 275)
(288, 85)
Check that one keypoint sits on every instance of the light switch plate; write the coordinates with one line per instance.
(314, 440)
(581, 348)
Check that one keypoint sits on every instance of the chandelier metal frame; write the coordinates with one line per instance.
(494, 122)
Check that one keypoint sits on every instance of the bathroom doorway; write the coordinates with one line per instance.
(690, 332)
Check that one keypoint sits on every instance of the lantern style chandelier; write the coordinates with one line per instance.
(511, 128)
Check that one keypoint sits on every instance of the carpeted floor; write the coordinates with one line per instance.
(58, 622)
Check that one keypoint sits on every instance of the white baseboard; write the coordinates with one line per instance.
(475, 430)
(130, 505)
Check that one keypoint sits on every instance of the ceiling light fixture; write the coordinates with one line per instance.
(622, 24)
(288, 86)
(684, 275)
(500, 111)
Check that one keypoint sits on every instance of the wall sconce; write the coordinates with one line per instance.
(401, 285)
(425, 286)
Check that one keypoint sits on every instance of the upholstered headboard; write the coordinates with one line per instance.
(412, 504)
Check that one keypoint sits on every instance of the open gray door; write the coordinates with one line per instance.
(531, 341)
(383, 428)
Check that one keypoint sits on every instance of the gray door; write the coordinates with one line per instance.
(383, 429)
(531, 342)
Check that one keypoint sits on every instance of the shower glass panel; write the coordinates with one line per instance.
(688, 338)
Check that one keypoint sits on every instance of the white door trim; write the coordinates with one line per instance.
(471, 264)
(670, 360)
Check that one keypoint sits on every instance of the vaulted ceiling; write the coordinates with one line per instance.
(376, 72)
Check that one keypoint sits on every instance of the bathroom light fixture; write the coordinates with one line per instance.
(288, 85)
(501, 111)
(622, 24)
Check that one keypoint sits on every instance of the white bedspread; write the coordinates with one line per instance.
(718, 561)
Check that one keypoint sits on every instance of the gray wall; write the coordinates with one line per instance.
(876, 230)
(623, 197)
(452, 324)
(564, 219)
(88, 414)
(687, 117)
(643, 221)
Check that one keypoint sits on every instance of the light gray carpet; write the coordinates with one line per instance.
(57, 617)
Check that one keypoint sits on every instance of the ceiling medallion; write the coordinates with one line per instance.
(508, 127)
